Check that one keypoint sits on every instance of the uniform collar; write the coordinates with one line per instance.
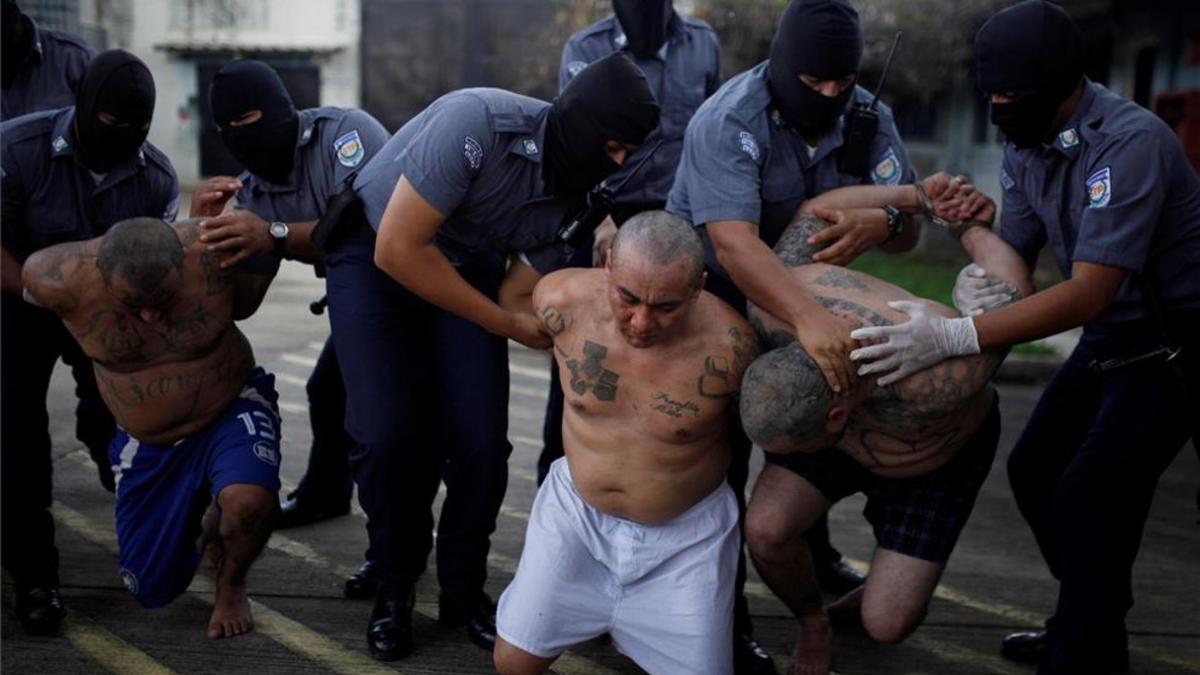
(532, 146)
(62, 144)
(1069, 139)
(828, 142)
(619, 40)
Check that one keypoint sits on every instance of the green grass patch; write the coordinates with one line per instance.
(924, 278)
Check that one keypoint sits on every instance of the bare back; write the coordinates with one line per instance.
(163, 380)
(645, 431)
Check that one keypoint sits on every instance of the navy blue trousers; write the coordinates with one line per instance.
(426, 401)
(31, 341)
(1084, 473)
(327, 483)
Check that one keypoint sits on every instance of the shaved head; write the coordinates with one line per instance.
(785, 399)
(661, 238)
(143, 253)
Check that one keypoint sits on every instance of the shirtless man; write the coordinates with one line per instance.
(198, 424)
(634, 532)
(918, 449)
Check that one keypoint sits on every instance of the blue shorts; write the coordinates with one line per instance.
(163, 491)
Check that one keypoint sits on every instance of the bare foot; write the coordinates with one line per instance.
(845, 613)
(813, 649)
(231, 612)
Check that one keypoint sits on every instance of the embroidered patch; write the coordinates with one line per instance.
(573, 68)
(530, 146)
(349, 149)
(267, 453)
(1006, 181)
(749, 144)
(130, 580)
(1099, 188)
(473, 152)
(59, 144)
(1069, 138)
(887, 171)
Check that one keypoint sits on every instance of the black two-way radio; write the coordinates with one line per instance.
(599, 204)
(862, 122)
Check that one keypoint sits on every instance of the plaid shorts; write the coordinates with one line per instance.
(920, 516)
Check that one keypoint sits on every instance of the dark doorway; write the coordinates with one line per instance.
(303, 82)
(1143, 75)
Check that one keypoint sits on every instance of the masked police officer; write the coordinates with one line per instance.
(1107, 185)
(68, 175)
(39, 69)
(768, 140)
(478, 174)
(297, 163)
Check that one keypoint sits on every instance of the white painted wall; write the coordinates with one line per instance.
(156, 29)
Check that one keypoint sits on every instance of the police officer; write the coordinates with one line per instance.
(297, 163)
(768, 140)
(1107, 185)
(67, 175)
(478, 174)
(40, 69)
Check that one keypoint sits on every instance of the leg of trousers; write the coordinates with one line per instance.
(30, 340)
(327, 482)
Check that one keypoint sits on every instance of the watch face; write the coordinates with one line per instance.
(279, 230)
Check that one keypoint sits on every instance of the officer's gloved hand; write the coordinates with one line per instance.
(922, 341)
(975, 292)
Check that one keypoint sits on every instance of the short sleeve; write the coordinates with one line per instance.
(1124, 191)
(1019, 224)
(720, 170)
(445, 155)
(890, 164)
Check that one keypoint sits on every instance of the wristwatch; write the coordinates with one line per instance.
(279, 232)
(895, 222)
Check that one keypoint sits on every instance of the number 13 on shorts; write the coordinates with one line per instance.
(258, 423)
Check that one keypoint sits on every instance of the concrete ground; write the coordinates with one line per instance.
(995, 581)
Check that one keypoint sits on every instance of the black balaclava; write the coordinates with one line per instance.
(16, 41)
(609, 100)
(267, 148)
(119, 84)
(645, 24)
(1034, 51)
(821, 38)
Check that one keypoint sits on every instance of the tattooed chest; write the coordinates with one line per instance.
(117, 337)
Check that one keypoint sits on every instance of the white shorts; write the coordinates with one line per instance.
(664, 592)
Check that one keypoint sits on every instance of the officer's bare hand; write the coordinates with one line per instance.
(853, 231)
(603, 241)
(236, 236)
(210, 196)
(827, 340)
(526, 329)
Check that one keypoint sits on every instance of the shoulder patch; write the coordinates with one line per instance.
(1069, 138)
(574, 67)
(887, 170)
(530, 146)
(1099, 188)
(473, 152)
(349, 149)
(1006, 180)
(749, 144)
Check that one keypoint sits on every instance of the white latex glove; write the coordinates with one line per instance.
(920, 342)
(975, 292)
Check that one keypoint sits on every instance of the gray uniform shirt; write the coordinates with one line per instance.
(476, 156)
(685, 71)
(333, 145)
(742, 161)
(1115, 188)
(50, 75)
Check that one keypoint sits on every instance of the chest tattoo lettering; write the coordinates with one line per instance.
(666, 405)
(591, 375)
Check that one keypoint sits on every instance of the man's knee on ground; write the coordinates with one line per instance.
(891, 624)
(247, 510)
(510, 660)
(770, 532)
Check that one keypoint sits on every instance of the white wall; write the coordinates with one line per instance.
(157, 30)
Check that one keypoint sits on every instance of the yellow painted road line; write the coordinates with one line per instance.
(104, 647)
(287, 632)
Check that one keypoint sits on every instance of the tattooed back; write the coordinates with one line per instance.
(645, 430)
(915, 425)
(162, 379)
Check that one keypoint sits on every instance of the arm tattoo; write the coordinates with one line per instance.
(591, 375)
(793, 247)
(216, 280)
(554, 321)
(714, 381)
